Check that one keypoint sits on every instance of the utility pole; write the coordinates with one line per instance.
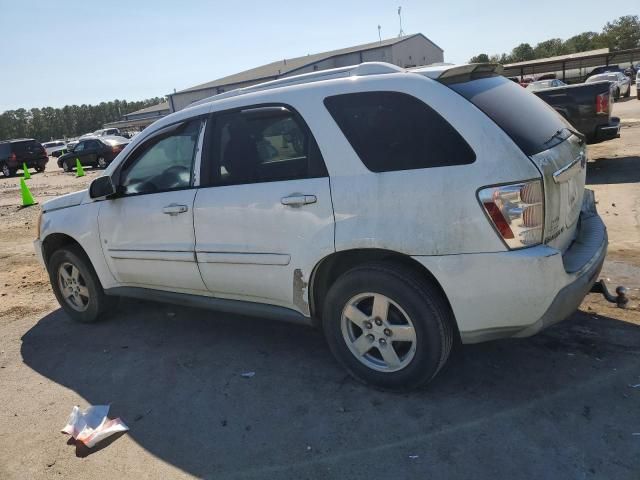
(379, 34)
(400, 18)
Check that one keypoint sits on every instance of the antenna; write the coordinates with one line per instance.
(401, 34)
(379, 34)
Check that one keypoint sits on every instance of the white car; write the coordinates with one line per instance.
(55, 147)
(620, 83)
(638, 84)
(396, 209)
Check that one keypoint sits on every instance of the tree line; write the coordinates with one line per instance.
(620, 34)
(49, 123)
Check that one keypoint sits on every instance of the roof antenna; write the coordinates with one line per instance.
(401, 34)
(379, 34)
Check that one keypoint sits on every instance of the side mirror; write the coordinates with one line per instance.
(102, 187)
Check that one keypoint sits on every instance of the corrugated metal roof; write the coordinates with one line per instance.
(560, 58)
(283, 67)
(153, 108)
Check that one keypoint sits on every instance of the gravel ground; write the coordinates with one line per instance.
(557, 405)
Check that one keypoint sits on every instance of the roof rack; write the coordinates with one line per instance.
(361, 70)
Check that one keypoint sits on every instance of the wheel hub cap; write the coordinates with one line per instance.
(378, 332)
(73, 287)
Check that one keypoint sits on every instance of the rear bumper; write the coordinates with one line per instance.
(608, 132)
(31, 163)
(520, 292)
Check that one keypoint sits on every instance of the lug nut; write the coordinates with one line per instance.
(387, 332)
(378, 322)
(367, 325)
(383, 342)
(370, 337)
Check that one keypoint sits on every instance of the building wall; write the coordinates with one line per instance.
(413, 51)
(416, 51)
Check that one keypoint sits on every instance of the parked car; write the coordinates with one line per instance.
(620, 83)
(14, 153)
(106, 132)
(638, 84)
(587, 107)
(604, 69)
(93, 151)
(544, 84)
(397, 209)
(55, 148)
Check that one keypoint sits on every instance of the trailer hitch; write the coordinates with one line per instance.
(620, 299)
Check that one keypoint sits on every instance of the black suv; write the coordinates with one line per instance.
(13, 153)
(97, 152)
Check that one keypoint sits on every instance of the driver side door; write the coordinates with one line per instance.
(147, 231)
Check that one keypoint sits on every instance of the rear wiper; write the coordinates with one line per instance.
(559, 132)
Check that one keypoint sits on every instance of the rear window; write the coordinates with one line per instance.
(27, 146)
(394, 131)
(528, 120)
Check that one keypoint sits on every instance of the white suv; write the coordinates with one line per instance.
(397, 209)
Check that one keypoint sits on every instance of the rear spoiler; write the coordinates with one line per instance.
(459, 73)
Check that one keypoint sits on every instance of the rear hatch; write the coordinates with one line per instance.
(541, 133)
(26, 150)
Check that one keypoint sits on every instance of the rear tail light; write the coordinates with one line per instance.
(602, 104)
(516, 211)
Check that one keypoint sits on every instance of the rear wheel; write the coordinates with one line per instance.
(67, 166)
(388, 326)
(102, 162)
(40, 168)
(77, 286)
(8, 172)
(616, 94)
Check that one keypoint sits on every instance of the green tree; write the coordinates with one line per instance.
(622, 33)
(582, 42)
(481, 58)
(549, 48)
(522, 53)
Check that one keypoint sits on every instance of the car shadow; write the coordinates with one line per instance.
(613, 170)
(174, 375)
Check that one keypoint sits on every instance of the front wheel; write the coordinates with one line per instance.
(388, 326)
(77, 286)
(40, 168)
(102, 163)
(66, 166)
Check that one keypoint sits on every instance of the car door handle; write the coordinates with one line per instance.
(175, 209)
(297, 200)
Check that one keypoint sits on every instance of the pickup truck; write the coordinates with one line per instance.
(587, 107)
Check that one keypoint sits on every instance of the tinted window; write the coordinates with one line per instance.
(79, 147)
(163, 164)
(263, 145)
(26, 147)
(394, 131)
(527, 119)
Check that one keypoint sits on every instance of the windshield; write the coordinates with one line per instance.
(540, 85)
(531, 123)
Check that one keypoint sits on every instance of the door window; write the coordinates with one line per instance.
(264, 145)
(166, 163)
(79, 147)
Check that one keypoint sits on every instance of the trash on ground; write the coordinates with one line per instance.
(248, 374)
(92, 425)
(413, 457)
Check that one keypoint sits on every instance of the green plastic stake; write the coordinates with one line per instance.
(27, 199)
(79, 169)
(25, 171)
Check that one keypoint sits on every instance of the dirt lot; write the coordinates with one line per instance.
(558, 405)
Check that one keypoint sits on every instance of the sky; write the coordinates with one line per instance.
(56, 53)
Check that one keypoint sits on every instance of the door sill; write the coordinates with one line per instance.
(239, 307)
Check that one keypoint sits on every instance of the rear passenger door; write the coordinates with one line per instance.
(265, 217)
(91, 150)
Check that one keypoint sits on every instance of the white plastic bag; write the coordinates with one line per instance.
(92, 425)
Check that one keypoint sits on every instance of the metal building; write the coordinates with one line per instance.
(140, 119)
(406, 51)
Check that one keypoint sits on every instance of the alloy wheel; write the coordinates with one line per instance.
(378, 332)
(73, 287)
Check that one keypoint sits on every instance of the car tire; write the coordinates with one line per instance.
(7, 171)
(66, 166)
(78, 290)
(102, 162)
(616, 94)
(40, 168)
(416, 311)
